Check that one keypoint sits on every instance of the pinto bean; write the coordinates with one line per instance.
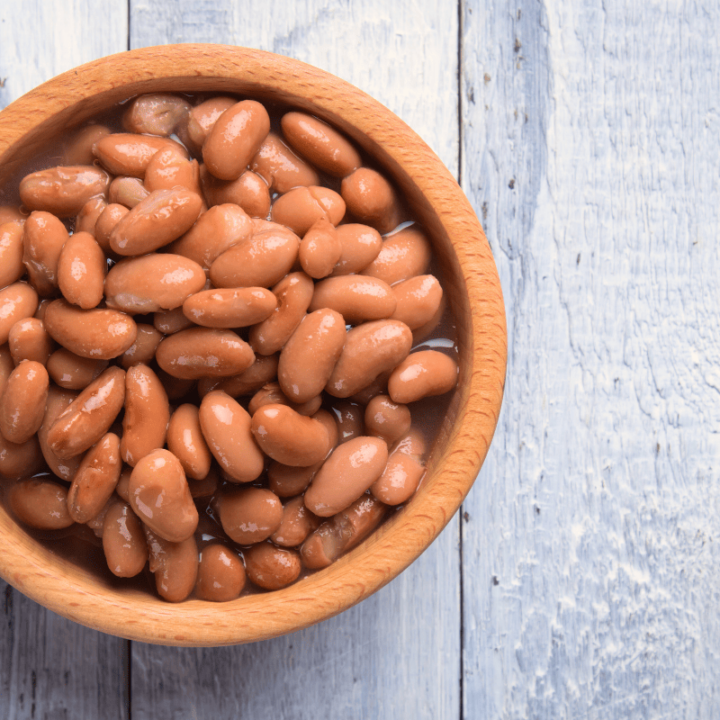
(371, 199)
(40, 503)
(386, 419)
(8, 213)
(296, 524)
(17, 301)
(169, 168)
(73, 372)
(106, 223)
(287, 481)
(128, 153)
(11, 253)
(19, 460)
(249, 515)
(403, 255)
(205, 487)
(22, 405)
(88, 216)
(144, 347)
(360, 246)
(81, 271)
(270, 567)
(230, 307)
(127, 191)
(43, 239)
(58, 400)
(349, 418)
(355, 297)
(122, 489)
(155, 114)
(261, 372)
(249, 191)
(418, 300)
(320, 249)
(399, 480)
(185, 440)
(28, 340)
(271, 394)
(175, 565)
(6, 366)
(301, 208)
(175, 388)
(203, 116)
(78, 147)
(124, 543)
(422, 374)
(169, 322)
(221, 574)
(280, 167)
(63, 191)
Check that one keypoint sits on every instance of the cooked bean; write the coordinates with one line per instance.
(163, 216)
(386, 419)
(418, 300)
(122, 489)
(205, 487)
(280, 167)
(287, 481)
(309, 356)
(349, 418)
(169, 168)
(270, 567)
(271, 394)
(17, 301)
(96, 524)
(63, 191)
(221, 574)
(230, 307)
(128, 153)
(79, 145)
(204, 116)
(261, 372)
(95, 479)
(9, 213)
(301, 208)
(6, 366)
(371, 199)
(169, 322)
(124, 543)
(22, 405)
(81, 271)
(41, 308)
(127, 191)
(399, 480)
(147, 414)
(40, 503)
(155, 113)
(355, 297)
(88, 216)
(320, 249)
(160, 496)
(106, 223)
(249, 515)
(89, 416)
(422, 374)
(294, 293)
(43, 239)
(296, 524)
(28, 340)
(234, 139)
(11, 253)
(249, 191)
(424, 331)
(153, 282)
(99, 334)
(360, 246)
(175, 388)
(377, 387)
(175, 565)
(370, 349)
(73, 372)
(185, 440)
(412, 443)
(19, 460)
(403, 255)
(144, 347)
(57, 401)
(226, 427)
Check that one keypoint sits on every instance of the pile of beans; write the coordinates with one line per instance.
(208, 364)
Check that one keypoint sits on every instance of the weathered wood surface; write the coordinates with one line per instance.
(588, 135)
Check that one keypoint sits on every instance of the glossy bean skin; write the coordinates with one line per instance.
(294, 294)
(99, 334)
(288, 437)
(160, 496)
(324, 146)
(22, 405)
(88, 216)
(78, 147)
(296, 524)
(8, 213)
(226, 427)
(204, 352)
(217, 230)
(17, 301)
(287, 481)
(249, 515)
(169, 322)
(320, 249)
(81, 271)
(403, 255)
(371, 199)
(170, 168)
(261, 372)
(147, 414)
(377, 387)
(63, 191)
(204, 116)
(129, 153)
(361, 244)
(71, 371)
(418, 300)
(230, 307)
(124, 543)
(271, 394)
(422, 374)
(155, 114)
(234, 139)
(280, 167)
(175, 565)
(270, 567)
(19, 460)
(249, 191)
(11, 253)
(300, 208)
(95, 479)
(399, 480)
(40, 503)
(43, 239)
(424, 331)
(153, 282)
(28, 340)
(355, 297)
(122, 489)
(352, 468)
(309, 356)
(89, 416)
(386, 419)
(144, 347)
(127, 191)
(57, 402)
(163, 216)
(349, 418)
(106, 223)
(221, 574)
(185, 440)
(370, 349)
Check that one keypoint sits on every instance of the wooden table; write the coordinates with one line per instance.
(581, 578)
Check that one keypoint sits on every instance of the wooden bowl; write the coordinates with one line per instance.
(472, 288)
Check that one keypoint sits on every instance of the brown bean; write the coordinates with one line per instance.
(144, 347)
(272, 568)
(89, 416)
(160, 496)
(124, 543)
(88, 216)
(11, 253)
(17, 301)
(28, 340)
(127, 191)
(403, 255)
(370, 349)
(106, 223)
(175, 565)
(169, 168)
(169, 322)
(399, 480)
(8, 213)
(58, 400)
(43, 239)
(301, 208)
(360, 246)
(6, 366)
(185, 440)
(296, 524)
(163, 216)
(99, 334)
(175, 388)
(371, 199)
(221, 574)
(320, 249)
(351, 469)
(78, 147)
(386, 419)
(355, 297)
(95, 480)
(294, 293)
(19, 460)
(261, 372)
(122, 489)
(226, 427)
(349, 418)
(96, 524)
(204, 352)
(128, 153)
(249, 191)
(63, 191)
(235, 138)
(230, 307)
(155, 114)
(418, 300)
(40, 503)
(205, 487)
(412, 443)
(377, 387)
(424, 331)
(81, 271)
(73, 372)
(422, 374)
(271, 394)
(288, 437)
(288, 481)
(153, 282)
(147, 414)
(204, 116)
(41, 308)
(309, 356)
(280, 167)
(22, 405)
(249, 515)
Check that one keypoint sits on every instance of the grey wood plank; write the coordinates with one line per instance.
(49, 666)
(397, 654)
(590, 147)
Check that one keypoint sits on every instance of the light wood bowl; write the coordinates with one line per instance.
(472, 288)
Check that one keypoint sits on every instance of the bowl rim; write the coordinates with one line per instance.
(76, 594)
